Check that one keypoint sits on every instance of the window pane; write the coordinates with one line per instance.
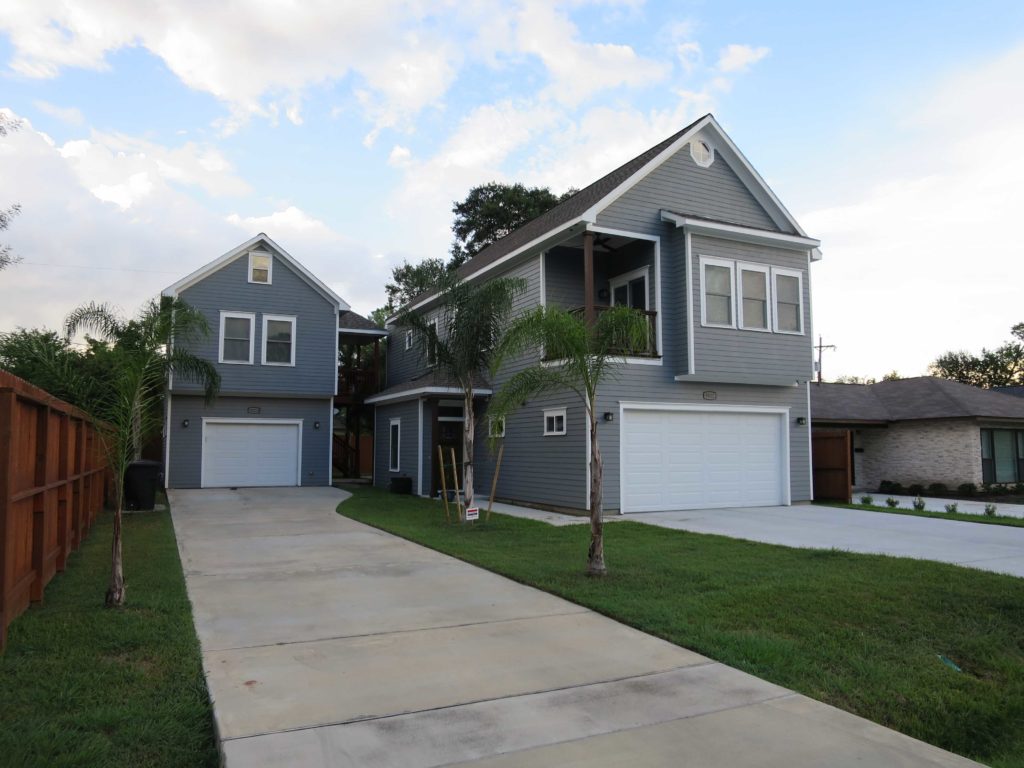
(755, 286)
(718, 310)
(717, 280)
(235, 350)
(279, 352)
(788, 289)
(986, 443)
(394, 446)
(279, 330)
(755, 313)
(789, 317)
(1005, 455)
(638, 293)
(620, 295)
(260, 269)
(236, 328)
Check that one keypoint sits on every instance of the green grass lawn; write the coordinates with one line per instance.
(83, 685)
(861, 632)
(997, 519)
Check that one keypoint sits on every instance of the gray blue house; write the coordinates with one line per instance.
(275, 333)
(712, 413)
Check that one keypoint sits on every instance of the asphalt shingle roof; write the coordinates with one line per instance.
(347, 319)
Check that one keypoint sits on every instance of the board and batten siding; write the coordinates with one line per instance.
(316, 330)
(187, 442)
(408, 454)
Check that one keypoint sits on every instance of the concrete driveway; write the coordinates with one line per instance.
(996, 548)
(329, 643)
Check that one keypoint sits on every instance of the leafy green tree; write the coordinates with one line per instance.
(491, 211)
(585, 356)
(461, 339)
(999, 367)
(8, 124)
(410, 280)
(144, 351)
(854, 380)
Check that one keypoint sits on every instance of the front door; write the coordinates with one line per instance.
(448, 426)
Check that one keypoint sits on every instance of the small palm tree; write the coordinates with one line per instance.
(143, 354)
(462, 340)
(583, 356)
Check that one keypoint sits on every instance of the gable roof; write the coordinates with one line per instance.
(350, 322)
(922, 397)
(583, 207)
(240, 250)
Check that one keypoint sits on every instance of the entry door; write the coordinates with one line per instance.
(251, 453)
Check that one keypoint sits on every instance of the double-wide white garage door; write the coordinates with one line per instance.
(256, 452)
(699, 459)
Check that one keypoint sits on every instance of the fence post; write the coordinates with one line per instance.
(7, 401)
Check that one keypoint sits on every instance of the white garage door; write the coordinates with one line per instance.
(701, 459)
(250, 453)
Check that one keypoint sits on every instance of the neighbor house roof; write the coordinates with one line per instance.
(922, 397)
(1015, 391)
(350, 322)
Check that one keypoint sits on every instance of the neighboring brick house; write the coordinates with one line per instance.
(925, 430)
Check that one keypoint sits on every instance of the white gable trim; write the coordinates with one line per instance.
(743, 234)
(222, 261)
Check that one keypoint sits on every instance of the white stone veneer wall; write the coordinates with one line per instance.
(919, 452)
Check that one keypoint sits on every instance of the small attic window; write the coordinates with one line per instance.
(261, 266)
(701, 152)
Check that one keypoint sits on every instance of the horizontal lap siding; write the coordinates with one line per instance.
(316, 338)
(408, 412)
(187, 442)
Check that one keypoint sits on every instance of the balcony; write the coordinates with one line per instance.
(355, 385)
(649, 348)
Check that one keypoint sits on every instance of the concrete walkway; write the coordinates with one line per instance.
(329, 643)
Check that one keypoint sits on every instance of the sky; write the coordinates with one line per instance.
(156, 136)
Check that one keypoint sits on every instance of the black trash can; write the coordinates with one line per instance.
(140, 484)
(401, 485)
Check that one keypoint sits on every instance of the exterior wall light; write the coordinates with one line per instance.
(316, 425)
(609, 416)
(801, 420)
(184, 423)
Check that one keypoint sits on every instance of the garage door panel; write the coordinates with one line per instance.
(701, 459)
(250, 454)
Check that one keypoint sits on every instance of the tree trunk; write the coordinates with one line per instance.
(469, 425)
(116, 590)
(595, 557)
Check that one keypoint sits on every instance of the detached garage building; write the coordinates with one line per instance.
(274, 340)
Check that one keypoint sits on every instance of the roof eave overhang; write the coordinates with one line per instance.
(413, 394)
(741, 233)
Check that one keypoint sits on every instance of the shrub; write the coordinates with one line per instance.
(951, 508)
(892, 502)
(990, 510)
(967, 489)
(867, 500)
(919, 504)
(916, 489)
(1019, 488)
(938, 489)
(886, 486)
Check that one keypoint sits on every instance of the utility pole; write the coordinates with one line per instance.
(822, 346)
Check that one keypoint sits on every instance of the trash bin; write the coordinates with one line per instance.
(140, 484)
(401, 485)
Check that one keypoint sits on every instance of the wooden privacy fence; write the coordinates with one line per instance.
(52, 478)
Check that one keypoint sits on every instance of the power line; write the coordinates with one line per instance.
(92, 266)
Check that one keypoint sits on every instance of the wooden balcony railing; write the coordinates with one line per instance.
(357, 383)
(650, 347)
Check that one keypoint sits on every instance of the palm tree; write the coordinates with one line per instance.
(578, 357)
(461, 340)
(127, 412)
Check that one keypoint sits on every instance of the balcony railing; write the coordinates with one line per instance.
(356, 383)
(650, 347)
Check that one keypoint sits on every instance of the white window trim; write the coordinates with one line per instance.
(491, 431)
(270, 267)
(395, 446)
(731, 266)
(555, 412)
(711, 151)
(626, 278)
(408, 340)
(286, 319)
(251, 317)
(766, 270)
(779, 271)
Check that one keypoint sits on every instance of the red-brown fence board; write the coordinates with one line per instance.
(53, 476)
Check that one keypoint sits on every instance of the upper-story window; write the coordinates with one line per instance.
(432, 343)
(789, 300)
(702, 153)
(754, 312)
(554, 422)
(236, 337)
(719, 305)
(408, 340)
(278, 340)
(261, 267)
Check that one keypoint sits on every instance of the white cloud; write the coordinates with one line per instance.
(69, 115)
(689, 55)
(399, 156)
(921, 253)
(290, 220)
(738, 58)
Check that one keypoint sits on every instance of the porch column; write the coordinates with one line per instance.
(589, 313)
(376, 365)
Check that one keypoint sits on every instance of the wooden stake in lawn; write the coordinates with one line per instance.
(444, 485)
(458, 491)
(494, 482)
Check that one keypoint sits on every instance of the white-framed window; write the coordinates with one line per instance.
(432, 344)
(408, 340)
(395, 444)
(631, 289)
(703, 154)
(718, 292)
(261, 267)
(554, 422)
(279, 340)
(754, 297)
(496, 426)
(788, 291)
(236, 338)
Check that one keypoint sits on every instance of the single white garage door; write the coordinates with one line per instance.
(701, 459)
(251, 453)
